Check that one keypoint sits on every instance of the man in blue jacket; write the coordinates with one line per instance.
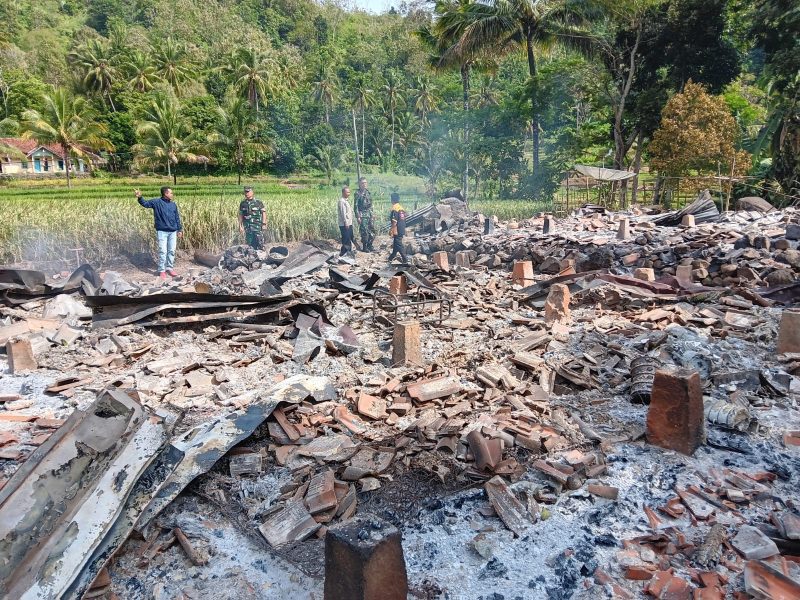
(168, 228)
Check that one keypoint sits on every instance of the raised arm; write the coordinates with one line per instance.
(142, 201)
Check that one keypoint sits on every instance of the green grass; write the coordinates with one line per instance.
(44, 221)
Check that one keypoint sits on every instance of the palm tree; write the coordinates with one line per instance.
(67, 121)
(325, 91)
(487, 93)
(234, 132)
(363, 97)
(141, 72)
(118, 39)
(327, 159)
(393, 98)
(409, 131)
(173, 63)
(508, 25)
(166, 137)
(426, 99)
(250, 71)
(452, 19)
(95, 66)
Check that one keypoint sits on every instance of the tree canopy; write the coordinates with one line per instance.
(498, 97)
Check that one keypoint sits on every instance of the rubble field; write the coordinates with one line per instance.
(598, 406)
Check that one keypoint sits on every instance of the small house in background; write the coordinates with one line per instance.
(33, 158)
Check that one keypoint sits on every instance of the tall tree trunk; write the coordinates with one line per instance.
(169, 168)
(620, 145)
(65, 150)
(465, 73)
(391, 148)
(239, 162)
(355, 143)
(363, 132)
(175, 175)
(637, 165)
(534, 107)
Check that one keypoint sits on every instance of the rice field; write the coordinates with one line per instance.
(44, 221)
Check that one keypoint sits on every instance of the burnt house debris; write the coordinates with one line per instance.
(596, 406)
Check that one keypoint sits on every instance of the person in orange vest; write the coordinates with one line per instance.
(397, 228)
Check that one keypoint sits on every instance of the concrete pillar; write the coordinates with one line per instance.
(398, 285)
(675, 418)
(462, 259)
(406, 344)
(364, 561)
(687, 221)
(441, 260)
(523, 273)
(624, 231)
(549, 225)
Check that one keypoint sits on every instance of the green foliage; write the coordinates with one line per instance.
(20, 92)
(499, 96)
(68, 122)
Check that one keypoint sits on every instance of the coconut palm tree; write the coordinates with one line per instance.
(393, 98)
(327, 159)
(441, 39)
(235, 130)
(251, 73)
(486, 93)
(409, 131)
(166, 137)
(363, 97)
(325, 91)
(141, 72)
(173, 63)
(96, 68)
(509, 25)
(67, 121)
(426, 100)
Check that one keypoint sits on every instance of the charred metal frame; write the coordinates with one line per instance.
(418, 303)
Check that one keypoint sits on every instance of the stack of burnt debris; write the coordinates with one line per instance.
(528, 360)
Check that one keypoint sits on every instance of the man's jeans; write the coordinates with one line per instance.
(166, 249)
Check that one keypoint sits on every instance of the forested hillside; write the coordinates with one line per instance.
(498, 97)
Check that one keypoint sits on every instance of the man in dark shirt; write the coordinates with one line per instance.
(168, 225)
(397, 228)
(364, 216)
(252, 219)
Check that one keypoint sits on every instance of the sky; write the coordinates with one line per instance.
(374, 6)
(380, 6)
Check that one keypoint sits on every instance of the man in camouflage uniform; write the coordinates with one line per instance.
(366, 221)
(252, 219)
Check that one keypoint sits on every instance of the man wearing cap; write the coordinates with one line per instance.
(397, 228)
(346, 221)
(366, 221)
(252, 219)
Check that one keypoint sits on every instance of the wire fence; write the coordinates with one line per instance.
(670, 192)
